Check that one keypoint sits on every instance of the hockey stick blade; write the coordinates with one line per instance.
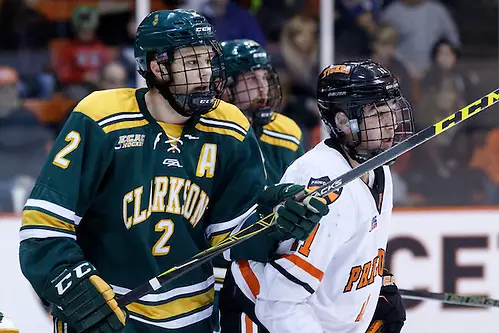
(335, 184)
(448, 298)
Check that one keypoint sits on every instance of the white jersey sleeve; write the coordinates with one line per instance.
(289, 281)
(6, 326)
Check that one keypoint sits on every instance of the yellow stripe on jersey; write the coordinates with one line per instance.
(174, 130)
(230, 113)
(40, 219)
(124, 125)
(214, 240)
(223, 131)
(284, 125)
(279, 142)
(174, 308)
(102, 104)
(59, 326)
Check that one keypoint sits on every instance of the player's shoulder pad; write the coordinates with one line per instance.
(225, 119)
(315, 183)
(282, 131)
(112, 109)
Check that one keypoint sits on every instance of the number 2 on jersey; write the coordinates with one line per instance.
(74, 139)
(166, 227)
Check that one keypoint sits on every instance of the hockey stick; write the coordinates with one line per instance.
(448, 298)
(331, 186)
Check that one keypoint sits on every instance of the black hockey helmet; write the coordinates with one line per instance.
(362, 105)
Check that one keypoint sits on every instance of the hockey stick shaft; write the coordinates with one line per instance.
(448, 298)
(335, 184)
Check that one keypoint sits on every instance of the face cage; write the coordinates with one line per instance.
(192, 90)
(387, 123)
(262, 109)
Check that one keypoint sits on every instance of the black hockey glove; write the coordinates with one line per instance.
(294, 219)
(389, 316)
(84, 301)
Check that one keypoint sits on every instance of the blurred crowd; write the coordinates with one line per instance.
(55, 52)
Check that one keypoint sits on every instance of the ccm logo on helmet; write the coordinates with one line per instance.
(203, 29)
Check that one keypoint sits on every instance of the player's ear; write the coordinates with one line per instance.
(159, 71)
(342, 123)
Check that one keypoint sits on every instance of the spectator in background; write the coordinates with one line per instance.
(273, 15)
(442, 100)
(444, 67)
(24, 144)
(486, 160)
(82, 59)
(112, 76)
(232, 22)
(22, 27)
(442, 163)
(127, 56)
(299, 51)
(383, 46)
(420, 23)
(355, 25)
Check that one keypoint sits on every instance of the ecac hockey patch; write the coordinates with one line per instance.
(315, 183)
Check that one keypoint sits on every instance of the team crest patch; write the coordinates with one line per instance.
(315, 183)
(131, 140)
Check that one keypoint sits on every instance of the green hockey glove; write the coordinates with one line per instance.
(294, 219)
(83, 300)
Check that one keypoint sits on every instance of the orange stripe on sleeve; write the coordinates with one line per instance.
(305, 265)
(249, 276)
(249, 324)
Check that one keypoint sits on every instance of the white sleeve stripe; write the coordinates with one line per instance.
(177, 323)
(43, 233)
(291, 277)
(170, 294)
(224, 124)
(229, 225)
(291, 268)
(281, 136)
(219, 272)
(119, 117)
(53, 208)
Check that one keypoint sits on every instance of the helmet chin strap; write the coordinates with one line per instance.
(197, 103)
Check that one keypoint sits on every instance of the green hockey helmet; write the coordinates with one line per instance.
(253, 84)
(191, 62)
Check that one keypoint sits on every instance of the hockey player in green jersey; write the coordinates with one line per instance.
(253, 86)
(140, 180)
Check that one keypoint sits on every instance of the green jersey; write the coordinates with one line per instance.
(280, 142)
(135, 197)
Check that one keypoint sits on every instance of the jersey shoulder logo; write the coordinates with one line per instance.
(130, 140)
(315, 183)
